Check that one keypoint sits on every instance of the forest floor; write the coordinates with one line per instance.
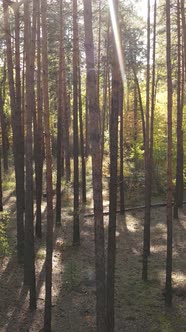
(139, 306)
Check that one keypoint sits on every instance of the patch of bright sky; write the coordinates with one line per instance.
(142, 8)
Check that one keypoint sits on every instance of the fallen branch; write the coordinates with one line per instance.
(155, 205)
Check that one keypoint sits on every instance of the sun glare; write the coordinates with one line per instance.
(117, 39)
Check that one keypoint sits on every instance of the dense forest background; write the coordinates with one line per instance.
(92, 100)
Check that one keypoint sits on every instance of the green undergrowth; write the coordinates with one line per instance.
(5, 249)
(9, 181)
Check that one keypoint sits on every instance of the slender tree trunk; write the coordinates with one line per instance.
(4, 131)
(3, 119)
(32, 42)
(39, 132)
(153, 98)
(76, 231)
(1, 189)
(141, 105)
(59, 125)
(29, 255)
(96, 168)
(146, 239)
(105, 92)
(48, 157)
(17, 55)
(99, 52)
(184, 32)
(65, 117)
(18, 142)
(168, 286)
(87, 122)
(122, 201)
(135, 115)
(66, 123)
(178, 199)
(83, 161)
(116, 79)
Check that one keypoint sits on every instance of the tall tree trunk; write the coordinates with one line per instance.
(59, 124)
(83, 161)
(122, 202)
(87, 122)
(153, 94)
(66, 122)
(38, 131)
(116, 79)
(76, 231)
(99, 52)
(66, 114)
(1, 188)
(4, 132)
(105, 91)
(3, 119)
(29, 255)
(135, 115)
(168, 286)
(141, 105)
(96, 168)
(184, 32)
(48, 157)
(18, 141)
(178, 199)
(146, 239)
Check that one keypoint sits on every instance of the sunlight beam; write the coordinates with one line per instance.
(117, 38)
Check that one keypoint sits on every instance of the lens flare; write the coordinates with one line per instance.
(117, 38)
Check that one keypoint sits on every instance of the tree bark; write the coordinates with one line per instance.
(3, 119)
(122, 201)
(146, 236)
(76, 231)
(48, 157)
(178, 198)
(60, 134)
(168, 286)
(95, 140)
(141, 105)
(83, 160)
(18, 140)
(38, 131)
(116, 79)
(29, 254)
